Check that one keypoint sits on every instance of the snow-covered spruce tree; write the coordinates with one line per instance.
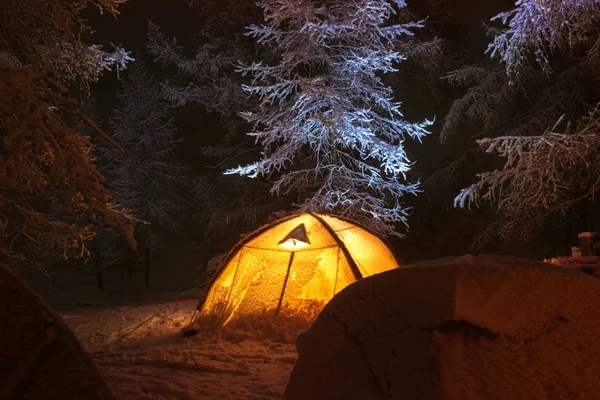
(556, 170)
(329, 127)
(541, 93)
(107, 248)
(542, 174)
(143, 178)
(209, 79)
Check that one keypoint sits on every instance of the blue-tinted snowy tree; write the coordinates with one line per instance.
(143, 178)
(535, 31)
(330, 129)
(547, 170)
(539, 28)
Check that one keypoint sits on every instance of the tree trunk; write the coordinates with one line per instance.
(569, 235)
(130, 273)
(98, 262)
(99, 280)
(147, 268)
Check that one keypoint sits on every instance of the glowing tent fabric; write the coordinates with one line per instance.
(294, 267)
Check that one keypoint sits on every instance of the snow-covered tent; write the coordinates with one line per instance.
(472, 327)
(40, 358)
(293, 267)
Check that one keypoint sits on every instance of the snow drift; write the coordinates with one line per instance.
(458, 328)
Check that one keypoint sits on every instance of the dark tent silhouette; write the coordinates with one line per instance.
(40, 358)
(459, 328)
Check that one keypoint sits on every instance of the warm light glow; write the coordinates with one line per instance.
(254, 279)
(296, 239)
(293, 244)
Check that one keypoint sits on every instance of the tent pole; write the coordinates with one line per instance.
(337, 270)
(285, 281)
(353, 267)
(193, 315)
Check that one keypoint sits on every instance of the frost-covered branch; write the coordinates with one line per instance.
(207, 79)
(44, 157)
(540, 28)
(47, 34)
(87, 63)
(550, 172)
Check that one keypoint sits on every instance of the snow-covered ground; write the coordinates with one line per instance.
(250, 361)
(142, 355)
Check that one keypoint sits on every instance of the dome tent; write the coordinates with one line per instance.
(40, 357)
(294, 266)
(457, 328)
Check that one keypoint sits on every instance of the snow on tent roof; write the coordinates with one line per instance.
(40, 358)
(294, 266)
(472, 327)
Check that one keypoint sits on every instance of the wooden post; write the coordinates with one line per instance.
(585, 243)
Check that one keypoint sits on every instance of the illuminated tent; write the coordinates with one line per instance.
(293, 267)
